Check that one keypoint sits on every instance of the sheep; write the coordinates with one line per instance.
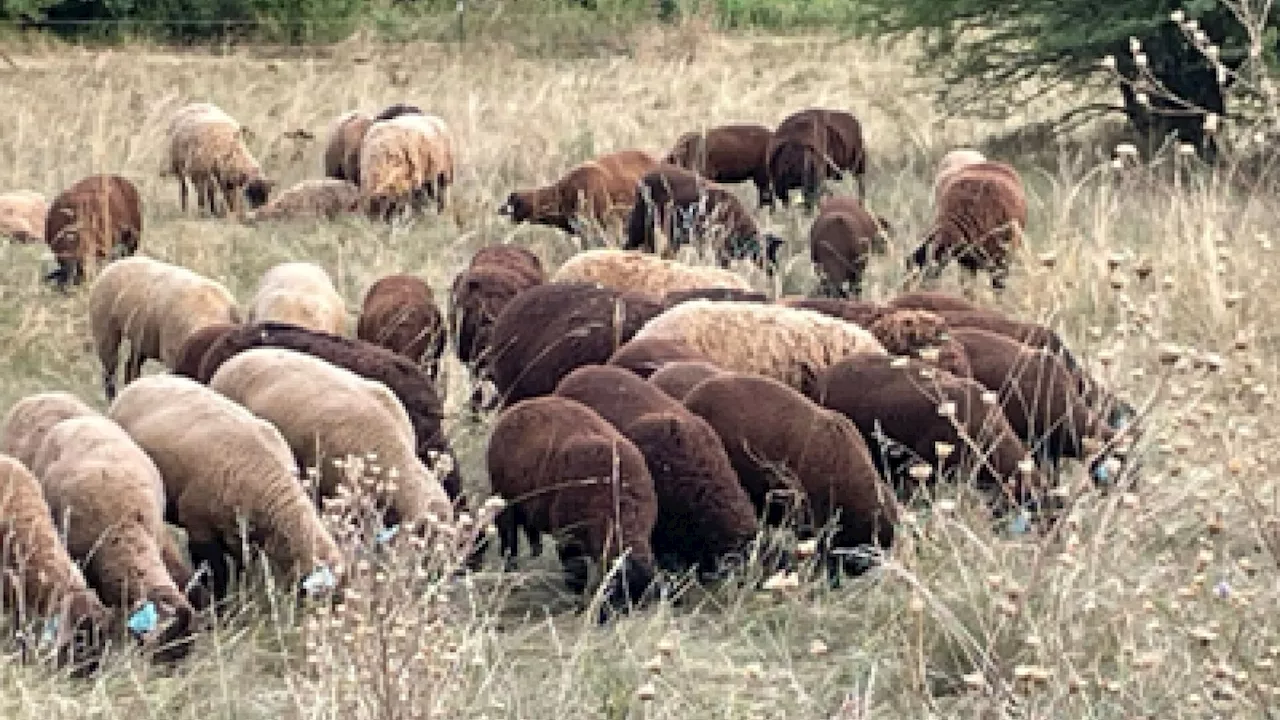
(852, 310)
(1026, 332)
(686, 208)
(98, 217)
(111, 498)
(206, 146)
(600, 190)
(37, 576)
(912, 414)
(922, 334)
(841, 241)
(342, 146)
(549, 330)
(563, 469)
(300, 293)
(770, 340)
(156, 307)
(949, 165)
(777, 439)
(221, 466)
(495, 275)
(318, 197)
(980, 217)
(812, 145)
(933, 301)
(400, 313)
(704, 515)
(411, 385)
(404, 160)
(727, 154)
(327, 413)
(28, 421)
(645, 357)
(197, 345)
(679, 377)
(642, 272)
(22, 215)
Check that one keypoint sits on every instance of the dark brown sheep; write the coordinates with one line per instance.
(858, 312)
(678, 378)
(981, 215)
(548, 331)
(779, 440)
(599, 190)
(646, 356)
(704, 514)
(841, 241)
(496, 274)
(98, 217)
(196, 346)
(687, 208)
(812, 145)
(918, 409)
(410, 384)
(923, 335)
(400, 314)
(1024, 331)
(932, 300)
(563, 469)
(727, 154)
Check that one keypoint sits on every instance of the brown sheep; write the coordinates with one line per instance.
(600, 190)
(764, 424)
(1024, 331)
(645, 357)
(98, 217)
(342, 149)
(549, 330)
(727, 154)
(564, 469)
(688, 209)
(678, 378)
(812, 145)
(400, 314)
(704, 515)
(924, 335)
(196, 346)
(495, 275)
(858, 312)
(920, 409)
(933, 301)
(841, 241)
(981, 215)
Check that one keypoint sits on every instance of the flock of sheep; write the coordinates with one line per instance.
(650, 413)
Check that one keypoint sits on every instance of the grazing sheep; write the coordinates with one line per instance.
(1026, 332)
(949, 165)
(841, 241)
(980, 218)
(318, 197)
(405, 161)
(642, 272)
(197, 345)
(704, 515)
(932, 301)
(342, 146)
(29, 420)
(681, 376)
(300, 293)
(22, 215)
(399, 313)
(563, 469)
(812, 145)
(156, 307)
(727, 154)
(37, 576)
(908, 410)
(411, 385)
(327, 413)
(207, 146)
(600, 190)
(109, 495)
(495, 275)
(549, 330)
(222, 465)
(686, 208)
(770, 340)
(924, 335)
(779, 440)
(98, 217)
(647, 356)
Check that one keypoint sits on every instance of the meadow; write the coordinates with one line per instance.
(1158, 598)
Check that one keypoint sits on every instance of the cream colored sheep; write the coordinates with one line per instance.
(951, 163)
(327, 413)
(342, 146)
(109, 496)
(156, 307)
(37, 576)
(29, 420)
(207, 147)
(221, 465)
(645, 272)
(404, 161)
(300, 293)
(317, 197)
(783, 343)
(22, 214)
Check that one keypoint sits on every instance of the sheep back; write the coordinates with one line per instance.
(316, 197)
(678, 378)
(29, 420)
(300, 293)
(399, 313)
(97, 217)
(495, 275)
(642, 272)
(342, 146)
(726, 154)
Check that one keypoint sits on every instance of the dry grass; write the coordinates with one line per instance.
(1160, 602)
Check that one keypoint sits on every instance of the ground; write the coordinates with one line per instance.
(1157, 600)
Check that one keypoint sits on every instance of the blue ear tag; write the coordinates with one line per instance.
(1019, 524)
(1100, 474)
(50, 631)
(320, 579)
(144, 619)
(385, 535)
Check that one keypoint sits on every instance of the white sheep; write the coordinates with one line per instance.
(207, 146)
(29, 420)
(317, 197)
(156, 307)
(302, 294)
(784, 343)
(403, 161)
(222, 465)
(327, 413)
(644, 272)
(22, 214)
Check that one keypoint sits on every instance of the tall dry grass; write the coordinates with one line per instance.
(1158, 600)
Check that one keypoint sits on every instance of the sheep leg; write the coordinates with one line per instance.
(197, 594)
(574, 562)
(109, 357)
(182, 192)
(508, 524)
